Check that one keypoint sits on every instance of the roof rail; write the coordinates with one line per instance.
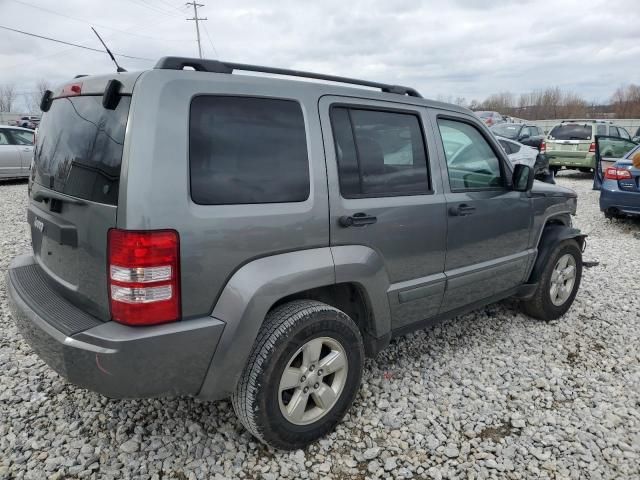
(216, 66)
(586, 120)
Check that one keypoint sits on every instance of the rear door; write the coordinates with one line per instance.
(74, 195)
(488, 224)
(10, 163)
(23, 140)
(385, 194)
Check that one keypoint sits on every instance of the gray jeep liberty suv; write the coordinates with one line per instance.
(199, 232)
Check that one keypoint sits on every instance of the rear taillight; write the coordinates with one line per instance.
(543, 147)
(144, 276)
(592, 147)
(613, 173)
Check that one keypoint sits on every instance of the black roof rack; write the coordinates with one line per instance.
(216, 66)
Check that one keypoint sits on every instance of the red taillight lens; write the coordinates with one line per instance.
(144, 276)
(543, 147)
(592, 147)
(613, 173)
(71, 90)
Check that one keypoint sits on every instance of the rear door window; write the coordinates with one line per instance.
(79, 148)
(20, 137)
(571, 131)
(380, 153)
(245, 150)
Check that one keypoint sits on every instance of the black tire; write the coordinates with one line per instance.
(540, 306)
(586, 170)
(286, 329)
(555, 169)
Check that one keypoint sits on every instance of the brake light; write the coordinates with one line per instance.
(71, 90)
(613, 173)
(592, 147)
(144, 276)
(543, 147)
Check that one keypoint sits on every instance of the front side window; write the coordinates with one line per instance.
(379, 153)
(471, 162)
(245, 150)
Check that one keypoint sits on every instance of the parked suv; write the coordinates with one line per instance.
(571, 144)
(212, 234)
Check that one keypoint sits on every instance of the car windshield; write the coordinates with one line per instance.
(507, 130)
(571, 131)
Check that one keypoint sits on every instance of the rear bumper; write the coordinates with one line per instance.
(623, 202)
(577, 160)
(109, 358)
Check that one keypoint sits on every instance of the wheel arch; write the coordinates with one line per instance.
(554, 232)
(354, 274)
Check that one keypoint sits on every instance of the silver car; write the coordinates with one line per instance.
(16, 150)
(519, 153)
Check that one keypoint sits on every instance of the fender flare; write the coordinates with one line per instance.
(551, 236)
(258, 285)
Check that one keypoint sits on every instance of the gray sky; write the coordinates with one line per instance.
(463, 48)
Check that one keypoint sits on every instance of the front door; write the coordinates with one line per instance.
(10, 163)
(488, 223)
(385, 194)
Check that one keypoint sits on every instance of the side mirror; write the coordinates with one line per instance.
(522, 178)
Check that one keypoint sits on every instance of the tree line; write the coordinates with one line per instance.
(548, 103)
(555, 103)
(9, 97)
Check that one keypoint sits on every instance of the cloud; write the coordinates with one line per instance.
(455, 48)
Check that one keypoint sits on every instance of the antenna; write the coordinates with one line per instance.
(119, 69)
(197, 20)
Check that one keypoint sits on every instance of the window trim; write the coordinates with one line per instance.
(503, 169)
(356, 106)
(255, 97)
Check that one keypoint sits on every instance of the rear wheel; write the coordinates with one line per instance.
(302, 376)
(586, 170)
(558, 283)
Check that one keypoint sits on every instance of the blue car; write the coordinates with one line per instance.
(620, 188)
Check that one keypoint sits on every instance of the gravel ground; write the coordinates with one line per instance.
(492, 394)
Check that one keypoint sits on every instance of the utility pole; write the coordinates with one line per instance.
(197, 20)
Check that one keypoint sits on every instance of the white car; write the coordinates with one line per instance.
(16, 150)
(519, 153)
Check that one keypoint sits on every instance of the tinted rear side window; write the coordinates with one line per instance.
(79, 148)
(247, 150)
(379, 153)
(571, 131)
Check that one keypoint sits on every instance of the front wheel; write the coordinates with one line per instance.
(302, 376)
(558, 283)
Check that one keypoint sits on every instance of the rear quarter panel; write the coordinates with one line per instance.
(215, 241)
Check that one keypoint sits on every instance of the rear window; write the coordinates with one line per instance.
(247, 150)
(571, 131)
(79, 148)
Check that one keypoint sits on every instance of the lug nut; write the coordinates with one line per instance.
(306, 389)
(316, 385)
(303, 378)
(320, 372)
(311, 368)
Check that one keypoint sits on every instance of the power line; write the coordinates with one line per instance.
(197, 20)
(81, 20)
(71, 44)
(215, 51)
